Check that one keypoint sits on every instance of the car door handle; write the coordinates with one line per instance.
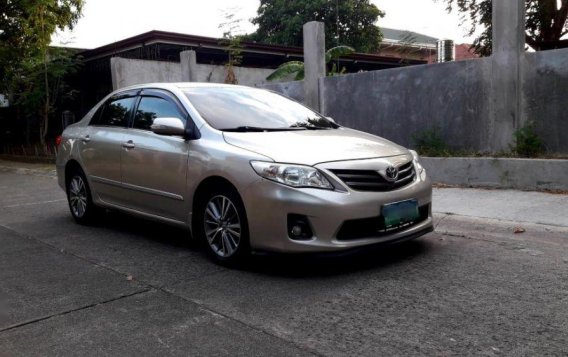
(128, 145)
(86, 138)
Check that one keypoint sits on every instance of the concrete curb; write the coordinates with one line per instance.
(522, 174)
(483, 228)
(28, 159)
(25, 171)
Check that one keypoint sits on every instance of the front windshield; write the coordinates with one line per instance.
(234, 108)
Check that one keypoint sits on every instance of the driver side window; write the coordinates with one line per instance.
(151, 108)
(115, 112)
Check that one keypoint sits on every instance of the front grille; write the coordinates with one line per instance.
(369, 180)
(375, 226)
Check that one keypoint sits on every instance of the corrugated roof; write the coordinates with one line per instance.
(202, 41)
(407, 36)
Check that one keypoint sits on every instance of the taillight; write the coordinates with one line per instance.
(58, 140)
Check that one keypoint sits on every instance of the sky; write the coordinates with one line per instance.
(107, 21)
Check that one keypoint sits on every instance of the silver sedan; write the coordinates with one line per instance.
(243, 169)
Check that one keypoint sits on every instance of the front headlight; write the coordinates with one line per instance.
(292, 175)
(419, 168)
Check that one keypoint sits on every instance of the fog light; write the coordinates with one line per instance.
(297, 231)
(299, 227)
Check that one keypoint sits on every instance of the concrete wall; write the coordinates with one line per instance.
(294, 90)
(126, 72)
(466, 103)
(401, 103)
(545, 96)
(457, 99)
(474, 105)
(523, 174)
(245, 76)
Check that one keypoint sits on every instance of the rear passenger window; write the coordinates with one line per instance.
(151, 108)
(114, 113)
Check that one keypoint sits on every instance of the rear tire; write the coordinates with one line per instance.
(221, 225)
(80, 199)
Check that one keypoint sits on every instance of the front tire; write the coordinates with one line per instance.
(222, 226)
(79, 198)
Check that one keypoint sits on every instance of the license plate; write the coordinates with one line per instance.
(400, 213)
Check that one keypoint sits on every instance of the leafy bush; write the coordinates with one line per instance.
(526, 142)
(430, 143)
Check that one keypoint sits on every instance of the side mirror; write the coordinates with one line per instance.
(331, 120)
(168, 126)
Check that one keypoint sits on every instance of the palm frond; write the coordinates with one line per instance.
(285, 70)
(300, 75)
(336, 52)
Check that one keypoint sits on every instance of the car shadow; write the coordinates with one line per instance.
(273, 264)
(322, 265)
(148, 229)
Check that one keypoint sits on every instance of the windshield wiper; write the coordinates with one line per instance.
(246, 129)
(309, 127)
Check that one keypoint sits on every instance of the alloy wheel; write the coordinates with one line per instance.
(78, 196)
(222, 226)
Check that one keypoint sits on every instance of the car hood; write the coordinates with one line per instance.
(311, 147)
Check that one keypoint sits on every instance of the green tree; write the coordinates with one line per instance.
(38, 77)
(349, 22)
(545, 22)
(27, 27)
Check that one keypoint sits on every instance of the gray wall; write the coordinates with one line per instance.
(245, 76)
(127, 72)
(458, 99)
(399, 104)
(545, 96)
(293, 90)
(521, 174)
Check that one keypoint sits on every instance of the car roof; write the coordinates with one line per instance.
(179, 85)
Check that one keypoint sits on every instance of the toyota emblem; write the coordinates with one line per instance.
(392, 173)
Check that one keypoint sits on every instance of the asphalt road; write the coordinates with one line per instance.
(130, 287)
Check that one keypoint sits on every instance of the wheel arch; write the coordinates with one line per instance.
(208, 188)
(205, 186)
(70, 167)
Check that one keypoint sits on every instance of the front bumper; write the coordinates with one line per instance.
(268, 204)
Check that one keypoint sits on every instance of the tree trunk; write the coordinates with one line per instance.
(45, 127)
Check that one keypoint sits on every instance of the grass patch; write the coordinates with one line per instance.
(526, 142)
(430, 143)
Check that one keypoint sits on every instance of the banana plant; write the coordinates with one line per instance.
(297, 67)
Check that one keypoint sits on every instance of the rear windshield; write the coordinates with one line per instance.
(229, 108)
